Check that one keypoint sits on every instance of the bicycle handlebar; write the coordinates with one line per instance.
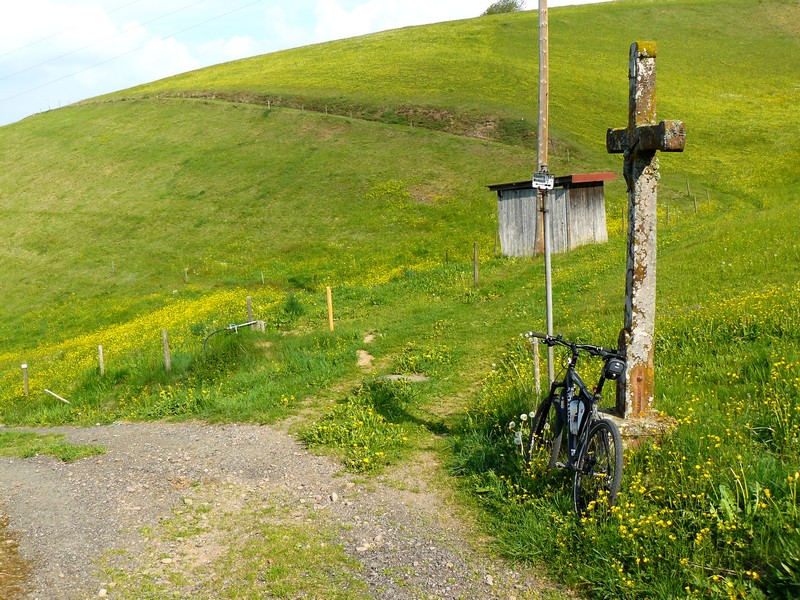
(559, 341)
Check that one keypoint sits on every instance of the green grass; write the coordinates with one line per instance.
(105, 205)
(269, 195)
(26, 445)
(370, 428)
(255, 549)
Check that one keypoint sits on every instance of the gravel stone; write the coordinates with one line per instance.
(67, 516)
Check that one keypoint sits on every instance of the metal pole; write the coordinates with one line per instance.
(548, 284)
(537, 378)
(542, 158)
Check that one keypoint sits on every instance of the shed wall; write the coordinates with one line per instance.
(559, 220)
(587, 215)
(518, 221)
(577, 214)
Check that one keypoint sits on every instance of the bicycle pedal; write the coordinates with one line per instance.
(561, 465)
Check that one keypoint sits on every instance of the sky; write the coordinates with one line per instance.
(56, 52)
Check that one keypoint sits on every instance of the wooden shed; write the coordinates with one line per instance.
(577, 212)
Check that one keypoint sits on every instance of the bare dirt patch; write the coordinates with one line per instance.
(365, 359)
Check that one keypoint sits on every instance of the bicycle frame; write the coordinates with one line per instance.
(576, 422)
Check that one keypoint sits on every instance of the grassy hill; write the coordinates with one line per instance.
(362, 164)
(720, 67)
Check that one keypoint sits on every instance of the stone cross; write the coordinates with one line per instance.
(639, 142)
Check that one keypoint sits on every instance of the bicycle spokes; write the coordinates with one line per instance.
(599, 475)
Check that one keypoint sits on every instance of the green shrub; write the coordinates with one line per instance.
(361, 426)
(504, 6)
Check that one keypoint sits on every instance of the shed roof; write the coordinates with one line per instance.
(562, 181)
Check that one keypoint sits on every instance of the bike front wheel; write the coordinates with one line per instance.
(599, 477)
(544, 440)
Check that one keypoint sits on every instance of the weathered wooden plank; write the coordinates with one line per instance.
(577, 213)
(559, 232)
(518, 218)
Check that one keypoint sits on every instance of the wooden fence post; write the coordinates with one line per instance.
(475, 264)
(25, 387)
(167, 359)
(250, 317)
(101, 360)
(329, 294)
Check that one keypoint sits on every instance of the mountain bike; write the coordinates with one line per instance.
(593, 449)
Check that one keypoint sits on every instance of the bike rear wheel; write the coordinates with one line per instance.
(544, 440)
(599, 477)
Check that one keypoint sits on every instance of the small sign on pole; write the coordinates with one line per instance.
(542, 180)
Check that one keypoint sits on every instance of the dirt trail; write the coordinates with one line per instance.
(69, 518)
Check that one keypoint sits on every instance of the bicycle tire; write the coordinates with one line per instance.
(600, 472)
(545, 435)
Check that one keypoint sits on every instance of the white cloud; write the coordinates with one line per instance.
(54, 53)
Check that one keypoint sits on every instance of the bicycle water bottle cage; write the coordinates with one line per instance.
(614, 368)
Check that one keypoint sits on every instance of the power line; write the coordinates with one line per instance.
(63, 31)
(101, 63)
(110, 37)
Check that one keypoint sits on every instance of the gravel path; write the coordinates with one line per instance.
(70, 518)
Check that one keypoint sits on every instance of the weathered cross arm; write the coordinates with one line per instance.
(640, 142)
(667, 136)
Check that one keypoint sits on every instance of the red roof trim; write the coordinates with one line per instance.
(590, 177)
